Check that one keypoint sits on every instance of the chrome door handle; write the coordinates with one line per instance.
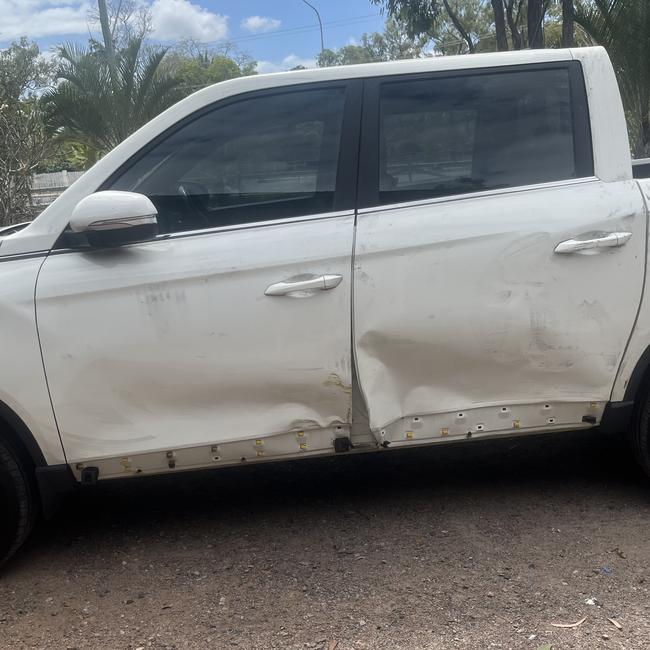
(318, 283)
(593, 240)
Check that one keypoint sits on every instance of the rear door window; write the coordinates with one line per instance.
(441, 136)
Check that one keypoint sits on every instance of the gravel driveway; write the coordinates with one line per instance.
(482, 545)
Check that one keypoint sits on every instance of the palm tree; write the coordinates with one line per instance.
(623, 27)
(96, 104)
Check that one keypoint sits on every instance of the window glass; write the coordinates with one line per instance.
(267, 157)
(471, 133)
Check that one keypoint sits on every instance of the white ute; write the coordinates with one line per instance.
(327, 261)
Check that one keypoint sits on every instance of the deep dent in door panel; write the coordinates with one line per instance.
(445, 321)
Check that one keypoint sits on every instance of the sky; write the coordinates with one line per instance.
(279, 34)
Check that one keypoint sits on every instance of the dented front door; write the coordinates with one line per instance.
(173, 347)
(227, 338)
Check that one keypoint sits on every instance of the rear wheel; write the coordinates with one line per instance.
(17, 502)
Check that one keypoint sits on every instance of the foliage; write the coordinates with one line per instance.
(623, 27)
(23, 145)
(392, 45)
(196, 65)
(128, 20)
(461, 26)
(23, 141)
(96, 108)
(418, 16)
(553, 30)
(425, 17)
(71, 156)
(22, 71)
(477, 33)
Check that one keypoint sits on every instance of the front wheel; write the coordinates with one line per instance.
(17, 502)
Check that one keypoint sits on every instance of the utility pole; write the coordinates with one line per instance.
(320, 24)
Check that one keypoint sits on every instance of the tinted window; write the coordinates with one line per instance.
(477, 132)
(267, 157)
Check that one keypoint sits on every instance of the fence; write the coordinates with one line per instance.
(46, 187)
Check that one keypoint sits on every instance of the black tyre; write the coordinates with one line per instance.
(18, 505)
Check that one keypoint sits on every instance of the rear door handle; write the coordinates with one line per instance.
(592, 241)
(318, 283)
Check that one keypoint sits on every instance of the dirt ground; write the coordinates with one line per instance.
(482, 545)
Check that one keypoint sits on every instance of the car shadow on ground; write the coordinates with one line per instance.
(483, 543)
(488, 470)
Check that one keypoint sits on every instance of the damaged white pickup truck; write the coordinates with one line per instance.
(327, 261)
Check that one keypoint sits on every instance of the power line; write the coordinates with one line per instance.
(299, 30)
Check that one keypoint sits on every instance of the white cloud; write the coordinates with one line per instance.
(260, 24)
(176, 19)
(38, 18)
(289, 61)
(171, 19)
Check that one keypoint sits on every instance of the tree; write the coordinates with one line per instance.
(500, 24)
(23, 141)
(121, 21)
(535, 19)
(346, 55)
(23, 146)
(514, 15)
(623, 27)
(393, 44)
(109, 44)
(568, 24)
(421, 17)
(91, 107)
(480, 25)
(196, 65)
(477, 35)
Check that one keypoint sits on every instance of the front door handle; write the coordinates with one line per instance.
(592, 240)
(318, 283)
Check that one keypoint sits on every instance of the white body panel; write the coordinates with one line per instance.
(461, 303)
(173, 343)
(609, 138)
(22, 383)
(169, 354)
(640, 339)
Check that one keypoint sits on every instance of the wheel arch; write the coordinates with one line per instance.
(52, 482)
(619, 416)
(17, 433)
(639, 377)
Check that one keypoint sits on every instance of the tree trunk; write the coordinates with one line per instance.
(567, 23)
(109, 46)
(645, 134)
(500, 25)
(513, 23)
(459, 26)
(535, 26)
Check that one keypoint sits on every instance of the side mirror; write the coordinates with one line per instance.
(112, 218)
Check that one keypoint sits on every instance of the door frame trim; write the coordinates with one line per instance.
(452, 198)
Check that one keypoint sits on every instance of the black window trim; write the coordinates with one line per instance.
(368, 194)
(348, 160)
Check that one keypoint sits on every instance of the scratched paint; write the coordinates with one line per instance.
(179, 346)
(512, 322)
